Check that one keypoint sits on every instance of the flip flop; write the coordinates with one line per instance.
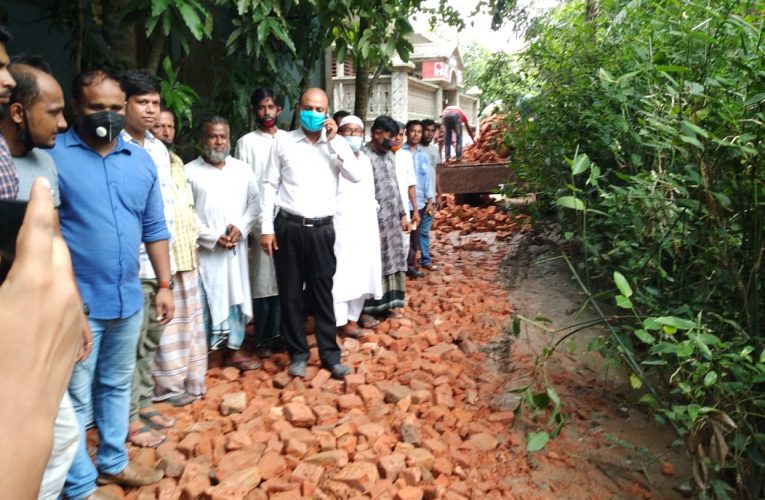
(181, 399)
(368, 322)
(144, 430)
(244, 365)
(146, 417)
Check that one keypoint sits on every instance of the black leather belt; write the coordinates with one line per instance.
(306, 221)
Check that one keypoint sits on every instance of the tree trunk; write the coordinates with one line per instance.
(361, 67)
(593, 9)
(156, 52)
(121, 38)
(80, 38)
(361, 102)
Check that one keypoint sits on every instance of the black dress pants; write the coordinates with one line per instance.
(414, 243)
(306, 258)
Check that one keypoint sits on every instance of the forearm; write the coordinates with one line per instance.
(159, 256)
(412, 197)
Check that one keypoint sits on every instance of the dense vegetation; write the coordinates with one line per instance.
(645, 133)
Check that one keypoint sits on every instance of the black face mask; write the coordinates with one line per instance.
(104, 126)
(387, 144)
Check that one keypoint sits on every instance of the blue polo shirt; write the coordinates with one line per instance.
(424, 188)
(109, 205)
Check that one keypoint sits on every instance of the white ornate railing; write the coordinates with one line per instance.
(379, 100)
(422, 100)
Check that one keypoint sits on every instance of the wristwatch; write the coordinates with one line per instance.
(167, 284)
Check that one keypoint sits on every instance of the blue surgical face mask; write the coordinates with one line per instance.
(355, 142)
(311, 120)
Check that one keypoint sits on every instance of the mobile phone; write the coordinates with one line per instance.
(11, 216)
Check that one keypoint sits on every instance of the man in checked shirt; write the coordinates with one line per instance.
(9, 183)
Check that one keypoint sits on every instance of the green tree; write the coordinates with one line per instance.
(495, 73)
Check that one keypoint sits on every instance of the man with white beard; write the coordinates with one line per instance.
(225, 197)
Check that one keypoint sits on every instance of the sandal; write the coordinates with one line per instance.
(147, 417)
(367, 321)
(145, 431)
(244, 365)
(181, 399)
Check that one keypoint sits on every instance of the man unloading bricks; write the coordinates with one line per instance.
(452, 118)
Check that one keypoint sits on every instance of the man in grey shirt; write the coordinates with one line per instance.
(36, 163)
(33, 118)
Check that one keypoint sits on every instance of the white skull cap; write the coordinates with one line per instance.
(351, 120)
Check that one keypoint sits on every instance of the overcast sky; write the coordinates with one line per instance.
(479, 27)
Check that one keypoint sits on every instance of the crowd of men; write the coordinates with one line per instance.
(173, 260)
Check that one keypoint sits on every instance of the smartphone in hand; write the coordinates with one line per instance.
(11, 216)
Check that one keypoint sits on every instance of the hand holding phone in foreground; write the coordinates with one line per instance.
(41, 335)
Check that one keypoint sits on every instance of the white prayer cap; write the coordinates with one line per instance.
(351, 120)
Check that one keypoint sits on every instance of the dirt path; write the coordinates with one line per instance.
(427, 412)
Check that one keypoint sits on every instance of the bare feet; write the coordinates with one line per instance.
(351, 329)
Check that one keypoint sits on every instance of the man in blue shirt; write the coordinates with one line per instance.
(110, 203)
(423, 190)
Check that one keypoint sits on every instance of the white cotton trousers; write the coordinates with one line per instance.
(349, 310)
(66, 439)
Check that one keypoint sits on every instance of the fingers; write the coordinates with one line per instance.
(34, 244)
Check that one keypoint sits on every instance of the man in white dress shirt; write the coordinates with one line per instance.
(255, 149)
(301, 182)
(224, 200)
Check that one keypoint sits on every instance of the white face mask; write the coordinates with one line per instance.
(355, 142)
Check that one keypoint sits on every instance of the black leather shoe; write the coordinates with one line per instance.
(339, 371)
(297, 369)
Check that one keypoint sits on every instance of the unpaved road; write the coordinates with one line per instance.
(428, 412)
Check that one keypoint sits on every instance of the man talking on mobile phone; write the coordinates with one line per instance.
(301, 182)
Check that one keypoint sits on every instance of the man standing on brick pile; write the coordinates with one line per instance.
(141, 110)
(434, 158)
(424, 195)
(391, 218)
(33, 119)
(301, 182)
(180, 364)
(225, 198)
(453, 117)
(110, 203)
(255, 149)
(357, 238)
(406, 181)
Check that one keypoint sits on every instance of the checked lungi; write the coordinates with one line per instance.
(180, 364)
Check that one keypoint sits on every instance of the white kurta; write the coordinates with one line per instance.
(357, 238)
(222, 197)
(254, 149)
(405, 177)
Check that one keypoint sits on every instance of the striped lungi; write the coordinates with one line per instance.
(180, 364)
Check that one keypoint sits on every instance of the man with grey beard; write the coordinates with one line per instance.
(225, 198)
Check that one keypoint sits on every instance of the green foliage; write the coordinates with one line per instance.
(176, 96)
(185, 19)
(662, 105)
(495, 73)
